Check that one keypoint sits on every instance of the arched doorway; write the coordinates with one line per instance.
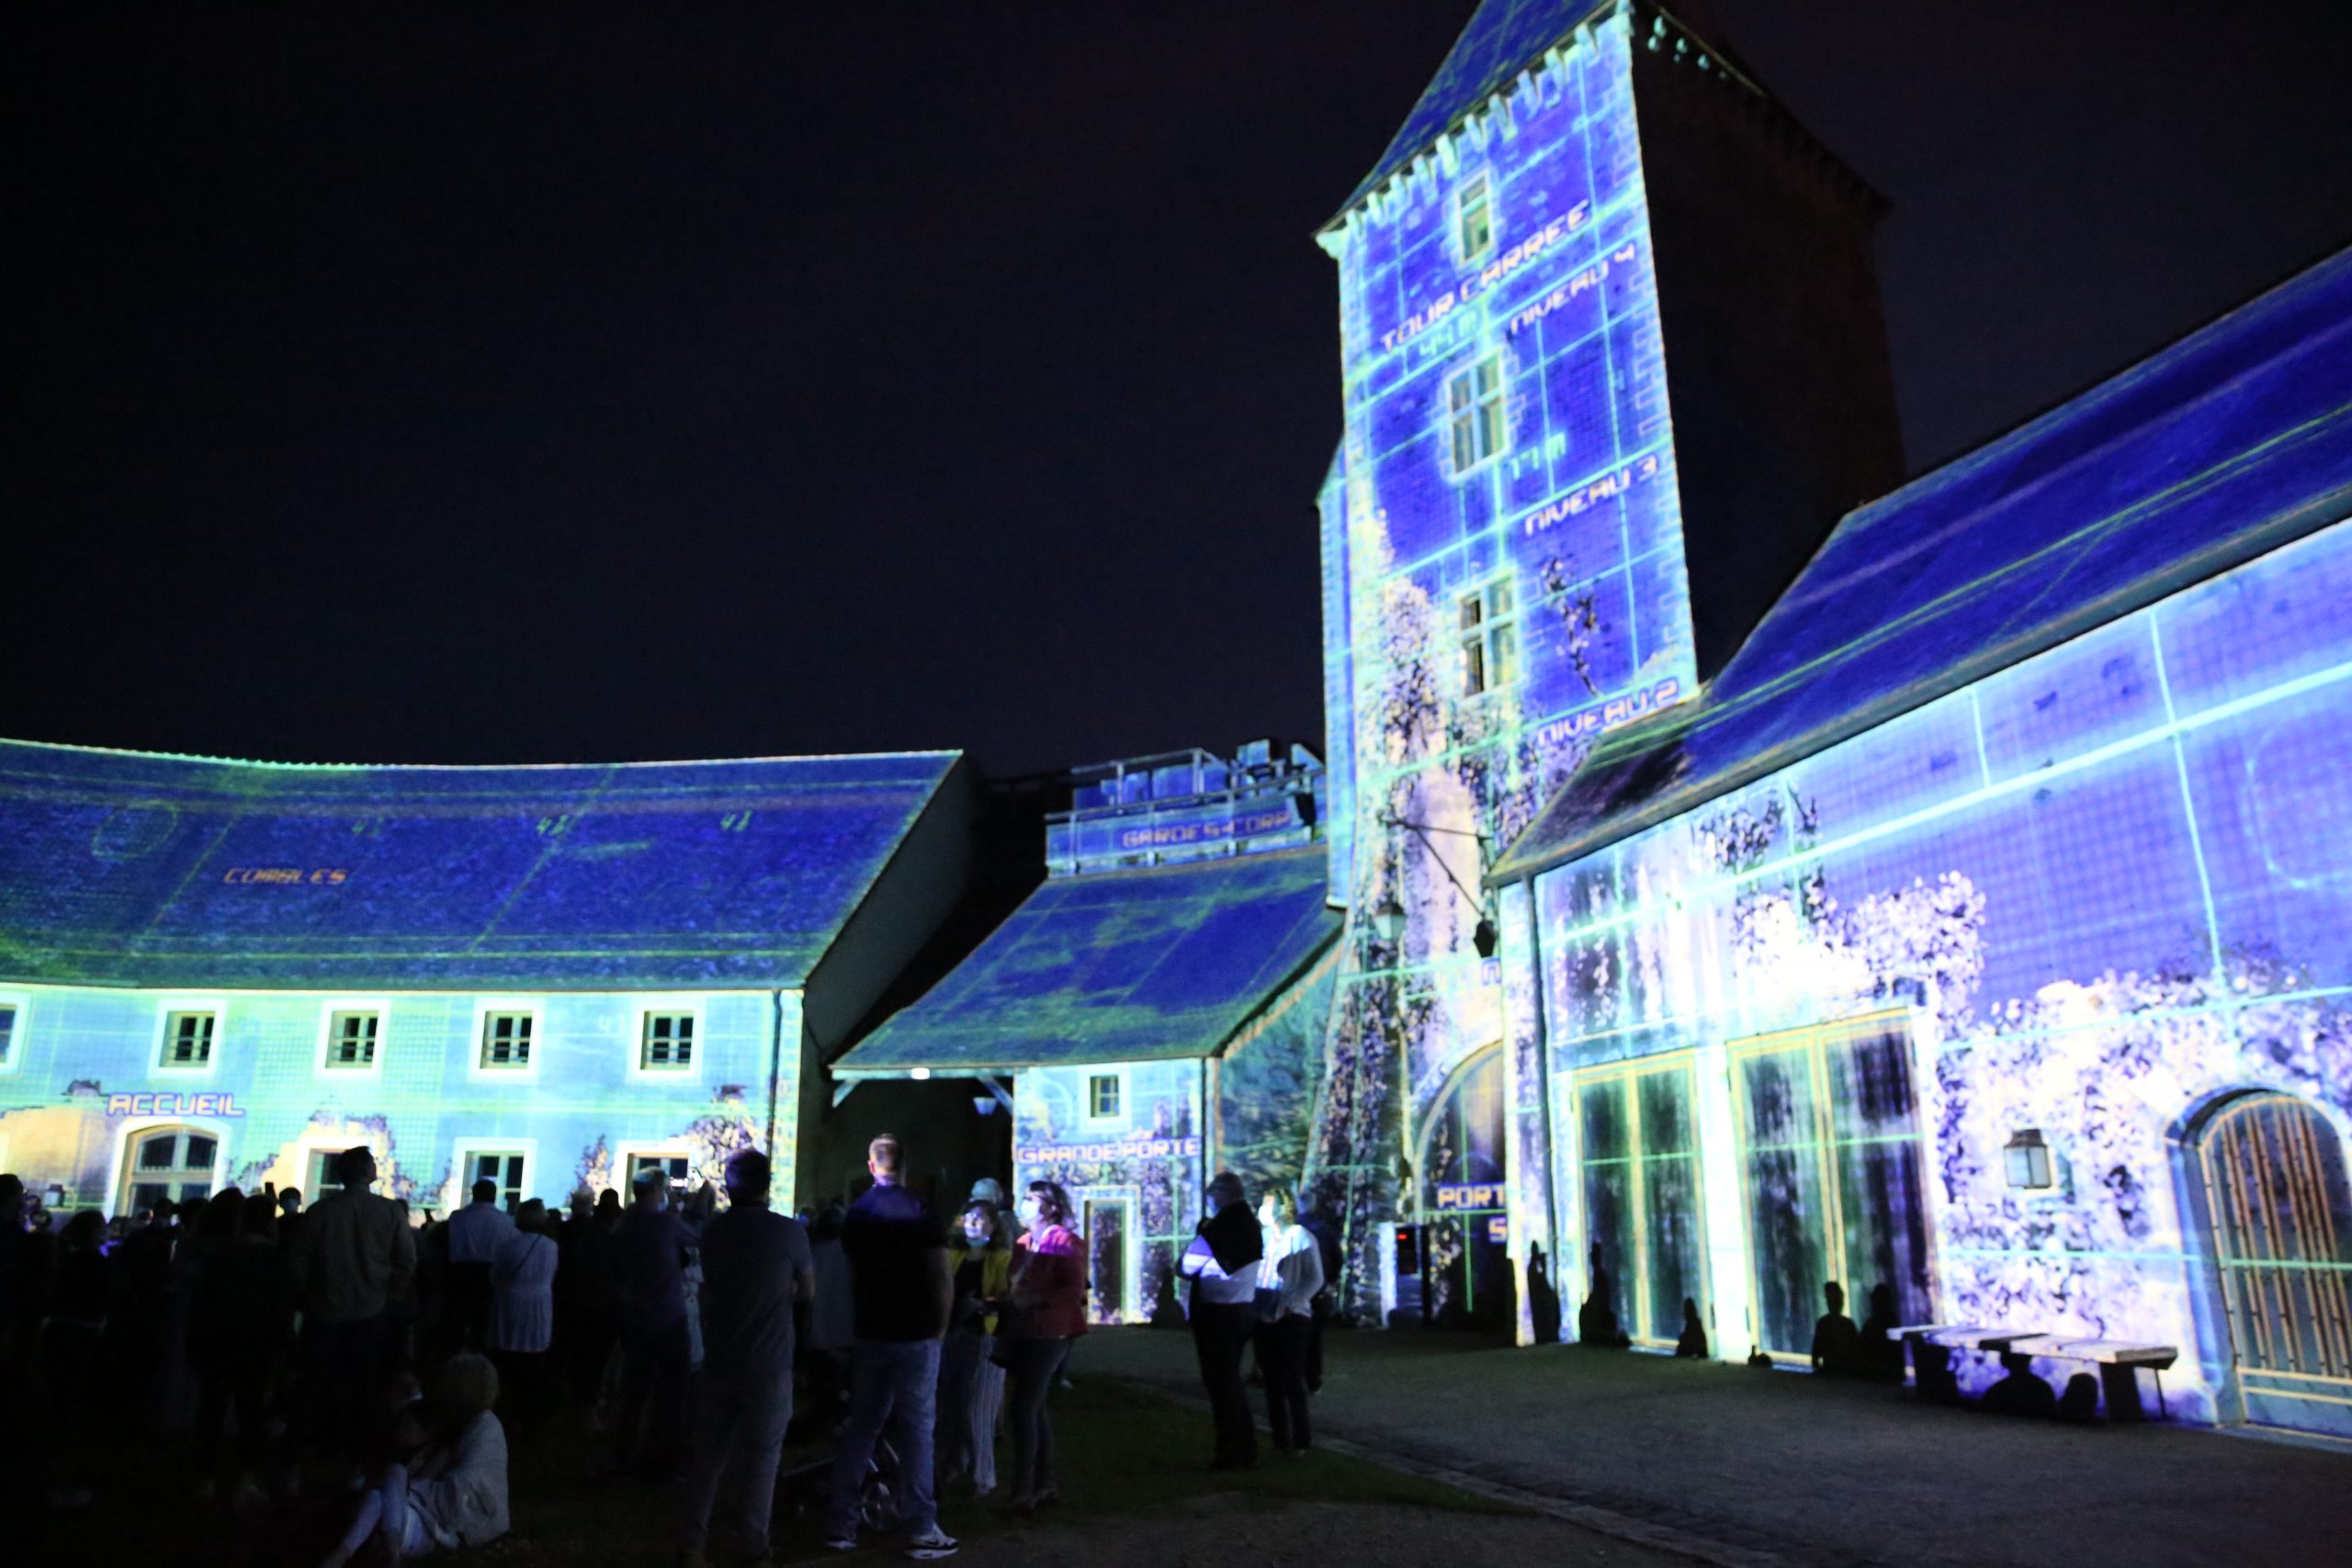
(2279, 1212)
(1466, 1273)
(167, 1162)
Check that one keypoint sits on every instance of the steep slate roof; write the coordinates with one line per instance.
(121, 867)
(1119, 966)
(1497, 43)
(2231, 442)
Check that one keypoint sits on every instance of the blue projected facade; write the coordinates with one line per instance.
(1502, 556)
(1964, 925)
(216, 972)
(1980, 933)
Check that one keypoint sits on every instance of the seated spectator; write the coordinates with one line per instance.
(1882, 1354)
(1836, 1343)
(457, 1493)
(2021, 1392)
(1692, 1346)
(1596, 1319)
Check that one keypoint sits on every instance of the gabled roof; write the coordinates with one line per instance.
(2231, 442)
(1501, 39)
(1119, 966)
(127, 868)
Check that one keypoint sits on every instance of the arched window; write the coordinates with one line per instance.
(168, 1162)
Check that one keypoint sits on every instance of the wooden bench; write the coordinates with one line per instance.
(2119, 1361)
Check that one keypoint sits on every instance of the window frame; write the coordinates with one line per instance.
(627, 1155)
(1472, 412)
(169, 1008)
(1482, 182)
(133, 1131)
(642, 1016)
(323, 1064)
(478, 1068)
(1487, 635)
(1121, 1115)
(20, 1005)
(457, 1191)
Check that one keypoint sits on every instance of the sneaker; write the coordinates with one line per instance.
(931, 1545)
(842, 1540)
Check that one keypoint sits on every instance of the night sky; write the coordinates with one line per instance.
(572, 382)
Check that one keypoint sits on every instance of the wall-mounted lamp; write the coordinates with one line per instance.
(2027, 1158)
(1482, 937)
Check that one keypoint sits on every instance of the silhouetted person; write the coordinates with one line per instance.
(242, 1321)
(1881, 1354)
(1596, 1319)
(1542, 1298)
(902, 1290)
(477, 1235)
(2080, 1402)
(80, 1295)
(756, 1271)
(1836, 1343)
(353, 1257)
(2021, 1392)
(522, 1315)
(1287, 1281)
(1327, 1237)
(648, 1260)
(1222, 1262)
(1692, 1346)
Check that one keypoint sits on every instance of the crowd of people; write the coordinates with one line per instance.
(347, 1370)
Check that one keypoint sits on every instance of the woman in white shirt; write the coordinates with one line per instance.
(1287, 1283)
(522, 1315)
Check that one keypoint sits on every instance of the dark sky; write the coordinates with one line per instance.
(569, 382)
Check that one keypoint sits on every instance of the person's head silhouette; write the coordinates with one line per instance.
(1835, 1295)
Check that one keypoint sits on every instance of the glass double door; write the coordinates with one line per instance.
(1828, 1129)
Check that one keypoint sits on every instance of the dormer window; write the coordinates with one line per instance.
(1474, 218)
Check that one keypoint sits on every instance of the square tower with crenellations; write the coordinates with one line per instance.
(1614, 365)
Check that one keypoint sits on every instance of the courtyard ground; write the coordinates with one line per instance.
(1138, 1492)
(1748, 1467)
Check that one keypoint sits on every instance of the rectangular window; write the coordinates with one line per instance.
(1637, 1155)
(668, 1042)
(1489, 637)
(673, 1166)
(1474, 411)
(1830, 1143)
(7, 1033)
(506, 1039)
(320, 1171)
(504, 1167)
(351, 1040)
(1472, 206)
(187, 1039)
(1103, 1096)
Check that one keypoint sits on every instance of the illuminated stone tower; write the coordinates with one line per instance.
(1613, 365)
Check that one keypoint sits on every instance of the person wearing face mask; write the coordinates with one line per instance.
(1291, 1276)
(1222, 1262)
(969, 1384)
(1047, 1312)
